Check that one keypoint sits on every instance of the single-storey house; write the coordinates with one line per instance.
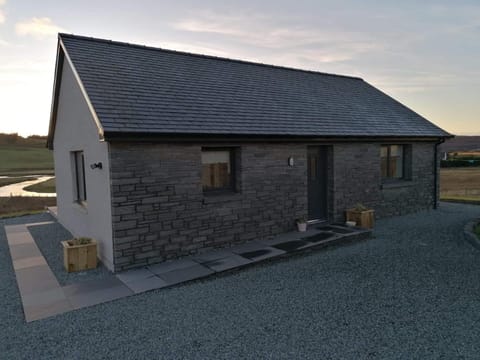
(159, 153)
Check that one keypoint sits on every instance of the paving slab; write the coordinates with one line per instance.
(212, 255)
(250, 246)
(92, 286)
(281, 239)
(134, 275)
(227, 263)
(24, 263)
(151, 283)
(171, 265)
(35, 279)
(23, 251)
(12, 229)
(337, 229)
(291, 245)
(141, 280)
(185, 274)
(256, 251)
(95, 292)
(38, 312)
(43, 297)
(322, 236)
(19, 238)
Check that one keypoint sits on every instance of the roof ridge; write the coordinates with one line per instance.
(126, 44)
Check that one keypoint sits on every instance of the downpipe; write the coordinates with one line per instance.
(436, 171)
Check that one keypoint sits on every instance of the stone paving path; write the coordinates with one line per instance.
(42, 296)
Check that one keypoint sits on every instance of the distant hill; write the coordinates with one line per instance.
(17, 140)
(461, 143)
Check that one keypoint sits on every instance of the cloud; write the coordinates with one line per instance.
(396, 81)
(322, 45)
(191, 48)
(2, 14)
(37, 27)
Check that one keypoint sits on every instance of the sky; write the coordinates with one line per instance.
(426, 54)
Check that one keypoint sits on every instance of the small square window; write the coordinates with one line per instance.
(218, 169)
(392, 161)
(80, 193)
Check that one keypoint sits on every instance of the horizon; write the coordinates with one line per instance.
(423, 55)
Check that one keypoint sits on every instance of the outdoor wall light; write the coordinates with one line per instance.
(97, 165)
(290, 161)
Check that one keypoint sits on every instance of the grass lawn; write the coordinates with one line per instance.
(21, 160)
(22, 205)
(47, 186)
(460, 183)
(14, 180)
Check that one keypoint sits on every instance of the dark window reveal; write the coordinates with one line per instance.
(79, 176)
(392, 161)
(217, 169)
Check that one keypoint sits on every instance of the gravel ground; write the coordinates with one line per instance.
(410, 292)
(48, 239)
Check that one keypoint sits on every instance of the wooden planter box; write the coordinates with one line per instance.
(364, 219)
(79, 257)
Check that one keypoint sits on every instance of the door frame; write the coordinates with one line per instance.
(325, 151)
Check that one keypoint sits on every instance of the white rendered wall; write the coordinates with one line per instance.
(75, 130)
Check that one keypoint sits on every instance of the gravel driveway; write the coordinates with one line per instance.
(411, 292)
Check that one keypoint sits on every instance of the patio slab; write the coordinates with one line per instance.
(212, 255)
(22, 251)
(151, 283)
(42, 296)
(171, 265)
(185, 274)
(95, 292)
(134, 275)
(35, 279)
(141, 280)
(38, 312)
(230, 262)
(29, 262)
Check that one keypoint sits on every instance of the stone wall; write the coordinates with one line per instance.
(357, 179)
(160, 211)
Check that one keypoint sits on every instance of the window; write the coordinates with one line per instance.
(80, 194)
(392, 161)
(218, 169)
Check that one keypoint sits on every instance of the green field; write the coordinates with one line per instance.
(14, 180)
(47, 186)
(24, 156)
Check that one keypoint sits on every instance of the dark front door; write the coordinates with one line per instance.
(317, 182)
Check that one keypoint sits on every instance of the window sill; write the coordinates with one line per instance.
(80, 206)
(394, 184)
(220, 196)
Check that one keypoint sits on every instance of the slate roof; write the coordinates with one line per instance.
(136, 89)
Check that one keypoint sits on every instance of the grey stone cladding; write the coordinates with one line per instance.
(160, 211)
(357, 179)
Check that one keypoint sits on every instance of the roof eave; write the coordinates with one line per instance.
(57, 79)
(123, 136)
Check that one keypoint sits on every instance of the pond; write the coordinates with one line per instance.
(17, 189)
